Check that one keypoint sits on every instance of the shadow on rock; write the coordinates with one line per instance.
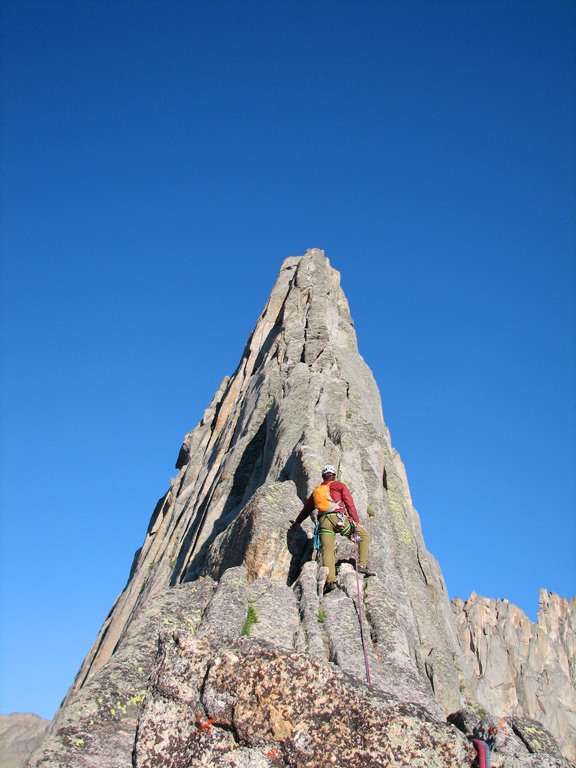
(300, 548)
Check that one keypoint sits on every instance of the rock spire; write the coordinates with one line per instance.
(171, 681)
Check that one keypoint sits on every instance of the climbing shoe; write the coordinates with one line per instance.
(330, 586)
(365, 571)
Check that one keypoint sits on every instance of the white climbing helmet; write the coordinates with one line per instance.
(328, 470)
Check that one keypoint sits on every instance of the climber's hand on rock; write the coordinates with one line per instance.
(294, 525)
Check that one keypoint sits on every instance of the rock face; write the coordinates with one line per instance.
(251, 704)
(516, 667)
(170, 681)
(19, 735)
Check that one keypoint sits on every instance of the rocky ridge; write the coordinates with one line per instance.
(171, 681)
(20, 734)
(515, 666)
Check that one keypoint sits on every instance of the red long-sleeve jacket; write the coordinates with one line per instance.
(340, 495)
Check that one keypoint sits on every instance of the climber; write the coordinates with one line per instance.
(336, 514)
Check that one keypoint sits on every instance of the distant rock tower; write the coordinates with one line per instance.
(172, 681)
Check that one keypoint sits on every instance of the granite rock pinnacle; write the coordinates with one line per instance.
(171, 679)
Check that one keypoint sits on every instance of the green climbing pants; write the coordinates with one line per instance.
(328, 530)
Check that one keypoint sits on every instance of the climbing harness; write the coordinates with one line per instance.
(360, 613)
(483, 753)
(346, 526)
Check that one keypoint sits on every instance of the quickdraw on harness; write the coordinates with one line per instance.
(351, 531)
(317, 537)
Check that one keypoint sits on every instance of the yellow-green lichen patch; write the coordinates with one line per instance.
(137, 699)
(406, 538)
(404, 532)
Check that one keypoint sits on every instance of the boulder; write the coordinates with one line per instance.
(253, 704)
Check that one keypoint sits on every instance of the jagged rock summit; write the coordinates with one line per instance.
(221, 650)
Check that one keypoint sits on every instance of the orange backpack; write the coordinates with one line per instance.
(322, 499)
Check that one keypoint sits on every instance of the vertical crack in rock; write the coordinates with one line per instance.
(166, 682)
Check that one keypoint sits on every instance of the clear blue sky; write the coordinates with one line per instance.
(159, 161)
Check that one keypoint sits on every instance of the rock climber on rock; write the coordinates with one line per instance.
(336, 514)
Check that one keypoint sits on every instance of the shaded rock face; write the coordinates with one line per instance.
(19, 735)
(218, 552)
(515, 667)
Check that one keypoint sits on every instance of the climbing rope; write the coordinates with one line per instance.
(483, 753)
(360, 610)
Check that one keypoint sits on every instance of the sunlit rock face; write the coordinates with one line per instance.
(517, 667)
(166, 683)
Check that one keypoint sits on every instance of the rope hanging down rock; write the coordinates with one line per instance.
(360, 609)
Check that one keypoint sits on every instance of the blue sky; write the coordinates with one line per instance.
(159, 160)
